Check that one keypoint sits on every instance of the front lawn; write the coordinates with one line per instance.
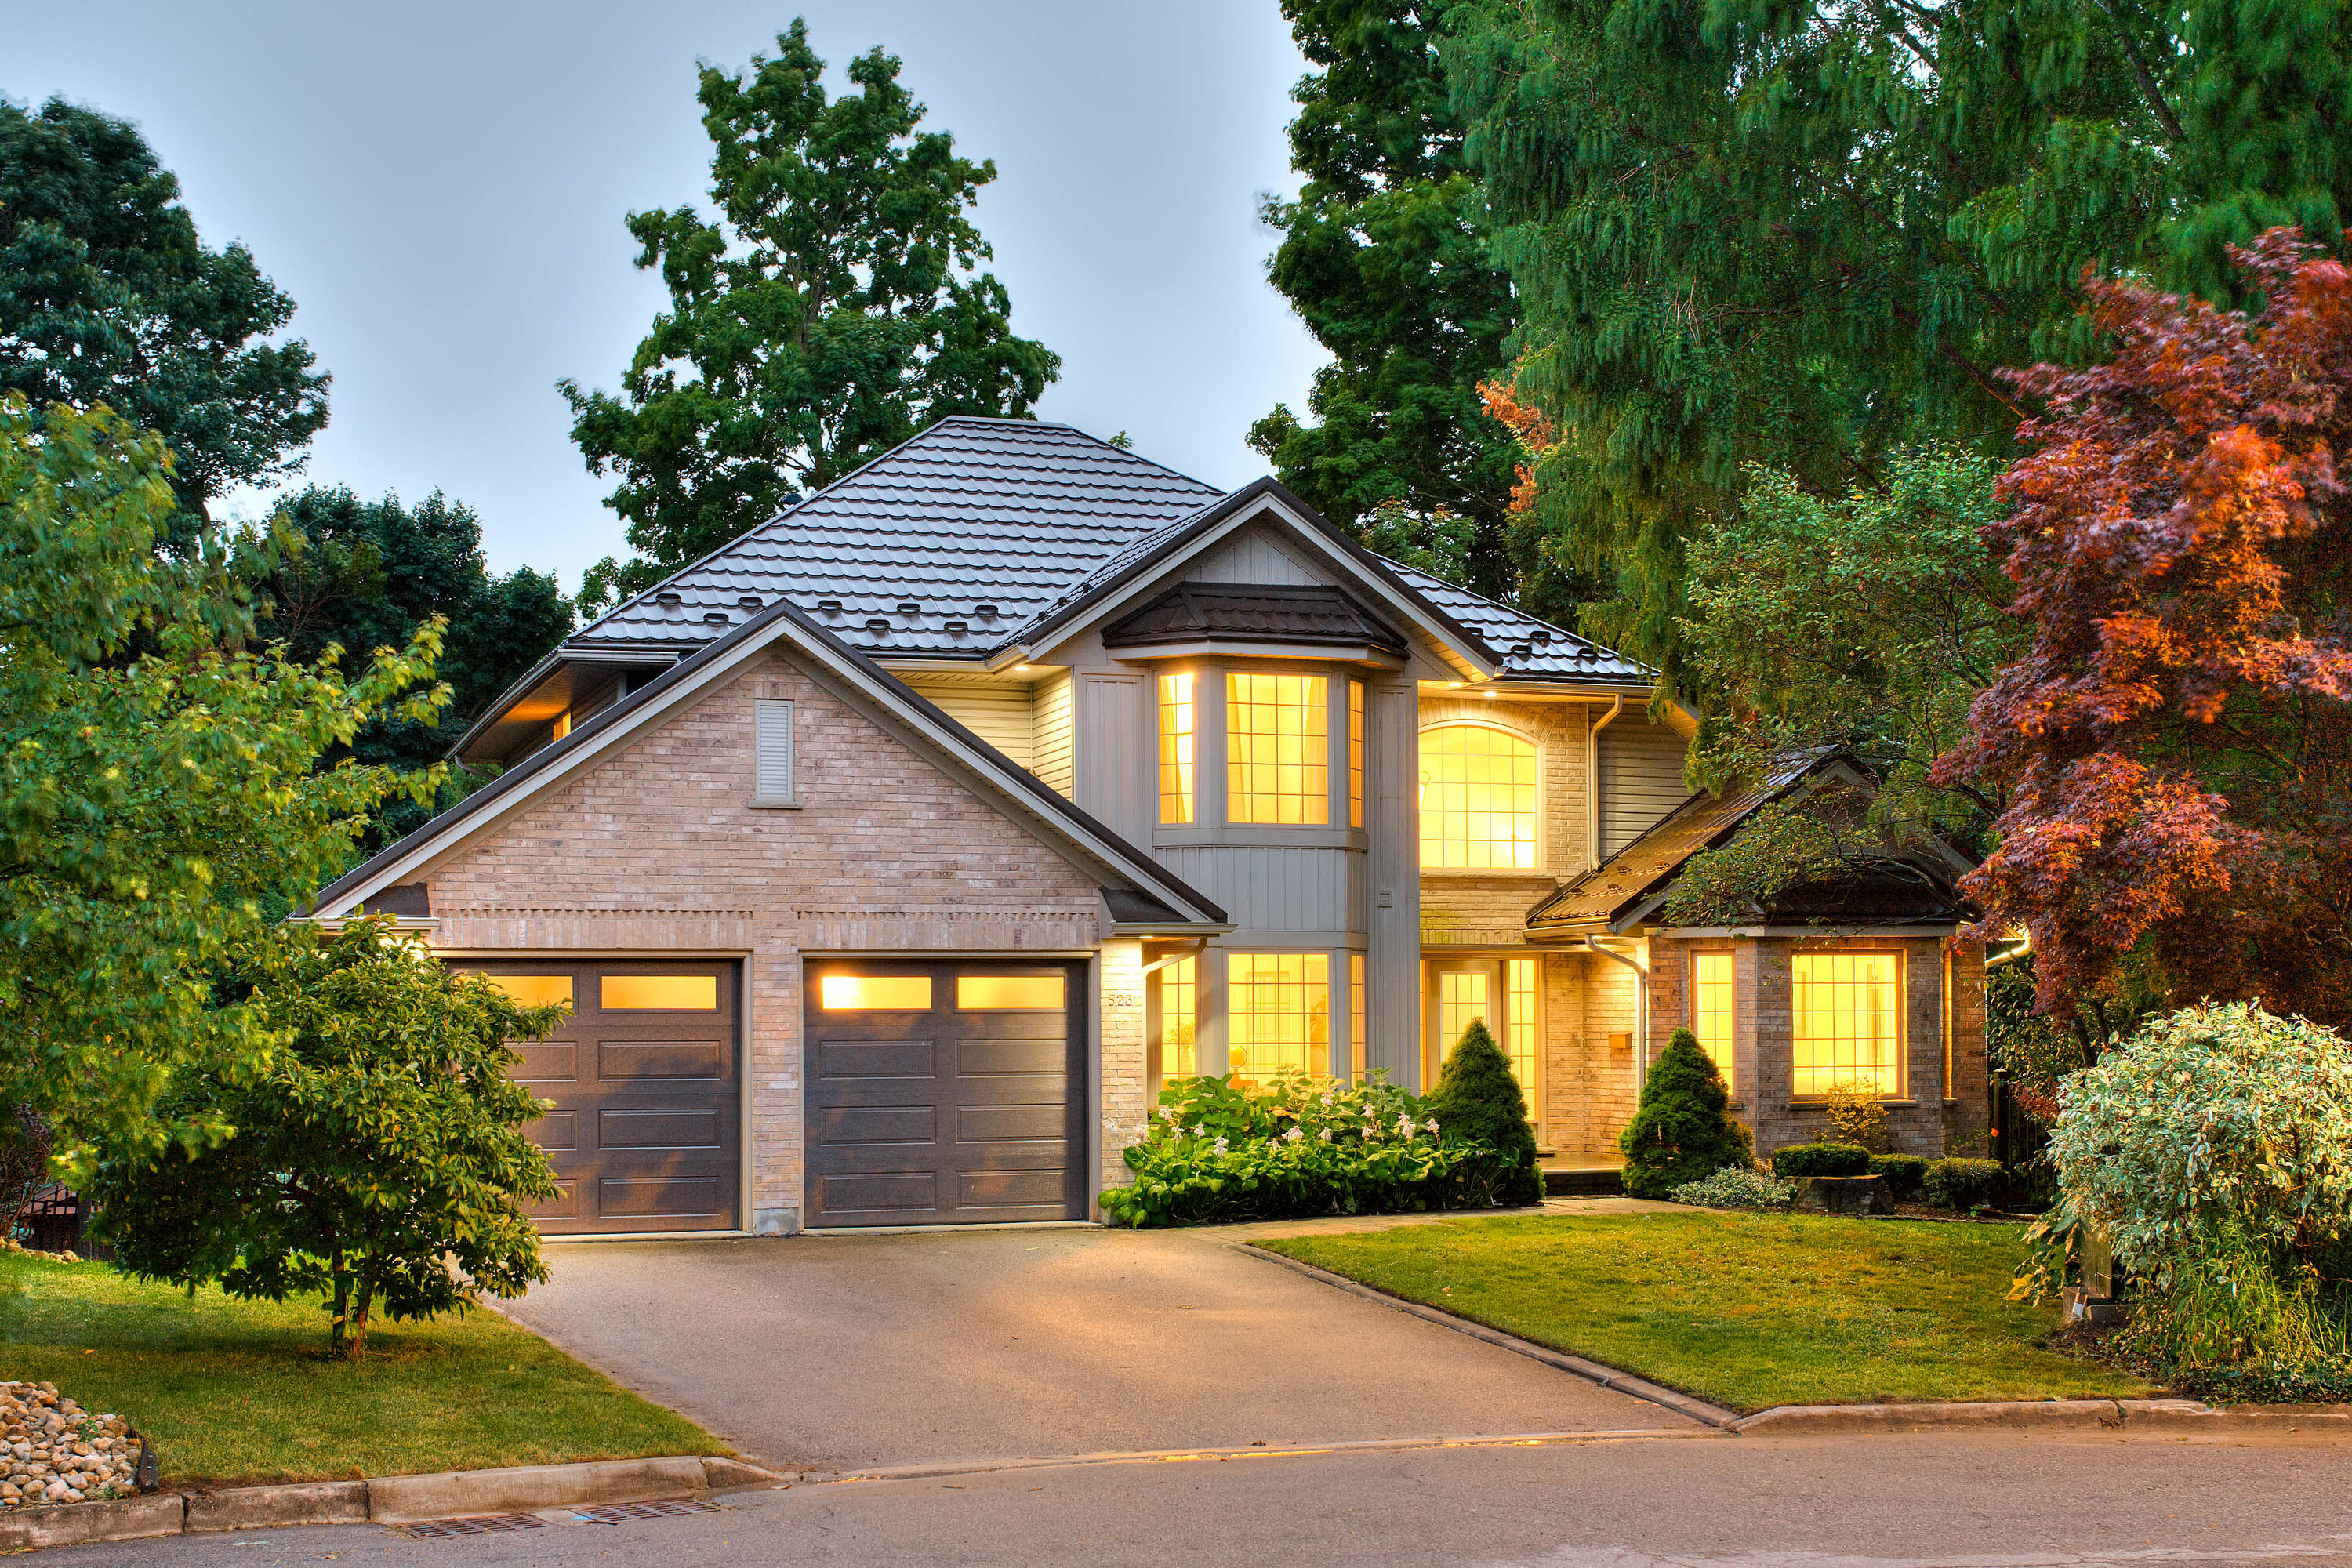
(1748, 1311)
(243, 1391)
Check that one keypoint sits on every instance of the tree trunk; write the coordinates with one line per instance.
(359, 1314)
(341, 1274)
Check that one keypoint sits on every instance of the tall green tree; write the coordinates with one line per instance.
(107, 296)
(160, 794)
(1805, 234)
(1383, 256)
(831, 310)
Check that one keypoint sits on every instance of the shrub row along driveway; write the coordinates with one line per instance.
(836, 1352)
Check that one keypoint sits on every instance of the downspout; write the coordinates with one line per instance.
(1641, 1005)
(1592, 781)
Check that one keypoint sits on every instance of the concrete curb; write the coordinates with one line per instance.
(1681, 1403)
(383, 1499)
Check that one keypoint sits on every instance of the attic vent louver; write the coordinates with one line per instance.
(878, 624)
(1588, 653)
(984, 610)
(958, 629)
(749, 602)
(1540, 635)
(828, 607)
(667, 601)
(714, 617)
(909, 607)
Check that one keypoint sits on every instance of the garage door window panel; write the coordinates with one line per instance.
(658, 993)
(874, 992)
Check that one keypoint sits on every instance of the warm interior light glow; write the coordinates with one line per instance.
(1357, 1024)
(1180, 1004)
(1711, 1008)
(1477, 799)
(1519, 1041)
(534, 990)
(874, 992)
(1277, 749)
(1176, 715)
(1007, 993)
(666, 992)
(1355, 753)
(1843, 1017)
(1278, 1007)
(562, 726)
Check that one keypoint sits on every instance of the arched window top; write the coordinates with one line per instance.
(1477, 798)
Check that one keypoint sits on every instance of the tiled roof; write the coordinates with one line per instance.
(1530, 648)
(1247, 614)
(971, 514)
(1634, 871)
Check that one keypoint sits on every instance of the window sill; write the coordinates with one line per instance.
(1478, 874)
(1825, 1104)
(775, 805)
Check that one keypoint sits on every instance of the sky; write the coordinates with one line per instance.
(442, 188)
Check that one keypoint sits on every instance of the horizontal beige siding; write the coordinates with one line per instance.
(1052, 731)
(998, 714)
(1641, 779)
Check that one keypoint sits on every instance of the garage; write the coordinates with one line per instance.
(644, 1129)
(944, 1093)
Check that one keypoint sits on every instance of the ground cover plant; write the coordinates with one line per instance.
(1737, 1187)
(245, 1391)
(1748, 1311)
(1681, 1128)
(1219, 1149)
(2215, 1149)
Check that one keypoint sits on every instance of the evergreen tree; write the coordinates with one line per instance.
(1383, 256)
(1682, 1129)
(1805, 235)
(830, 312)
(107, 296)
(1478, 1096)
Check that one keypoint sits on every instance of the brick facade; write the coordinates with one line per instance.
(656, 849)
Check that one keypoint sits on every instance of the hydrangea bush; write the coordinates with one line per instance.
(1737, 1187)
(1221, 1150)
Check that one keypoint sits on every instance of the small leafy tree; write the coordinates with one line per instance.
(1477, 1097)
(1682, 1129)
(382, 1138)
(1858, 1114)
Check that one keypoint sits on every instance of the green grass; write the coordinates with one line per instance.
(1748, 1311)
(244, 1391)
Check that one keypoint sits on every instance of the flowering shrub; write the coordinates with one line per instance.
(2215, 1150)
(1219, 1149)
(1736, 1187)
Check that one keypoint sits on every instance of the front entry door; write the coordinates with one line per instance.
(1503, 991)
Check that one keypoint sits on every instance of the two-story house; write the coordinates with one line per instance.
(892, 857)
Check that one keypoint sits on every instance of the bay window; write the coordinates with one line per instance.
(1279, 1014)
(1277, 749)
(1176, 739)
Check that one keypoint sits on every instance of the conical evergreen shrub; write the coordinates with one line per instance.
(1477, 1097)
(1682, 1131)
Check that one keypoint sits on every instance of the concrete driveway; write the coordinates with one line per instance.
(842, 1353)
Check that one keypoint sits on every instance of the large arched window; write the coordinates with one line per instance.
(1477, 799)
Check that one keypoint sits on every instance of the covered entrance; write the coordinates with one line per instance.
(944, 1092)
(643, 1130)
(1506, 992)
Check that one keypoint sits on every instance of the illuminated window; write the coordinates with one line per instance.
(1179, 1006)
(1519, 1041)
(1947, 1024)
(1843, 1015)
(1277, 749)
(1477, 799)
(1711, 1007)
(1356, 1049)
(1176, 748)
(1278, 1008)
(662, 992)
(875, 993)
(533, 990)
(1462, 1000)
(1355, 753)
(1008, 993)
(562, 725)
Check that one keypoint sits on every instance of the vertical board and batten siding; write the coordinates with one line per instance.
(1255, 559)
(998, 713)
(1053, 739)
(1309, 892)
(1110, 783)
(1641, 779)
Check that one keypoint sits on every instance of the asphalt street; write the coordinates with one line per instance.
(1979, 1500)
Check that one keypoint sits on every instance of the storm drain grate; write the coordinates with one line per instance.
(622, 1512)
(483, 1524)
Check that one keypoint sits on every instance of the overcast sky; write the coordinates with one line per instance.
(441, 187)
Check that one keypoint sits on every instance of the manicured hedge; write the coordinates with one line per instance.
(1963, 1185)
(1903, 1173)
(1821, 1159)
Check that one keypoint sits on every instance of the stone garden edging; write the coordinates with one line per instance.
(381, 1499)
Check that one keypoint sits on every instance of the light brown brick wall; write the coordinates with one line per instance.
(654, 849)
(1588, 1089)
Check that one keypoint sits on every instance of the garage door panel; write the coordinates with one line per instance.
(1038, 1188)
(547, 1061)
(1011, 1123)
(1007, 1058)
(892, 1193)
(662, 1061)
(846, 1124)
(643, 1131)
(662, 1197)
(840, 1058)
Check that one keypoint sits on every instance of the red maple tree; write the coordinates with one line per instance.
(2174, 750)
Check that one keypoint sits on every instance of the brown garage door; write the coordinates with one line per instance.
(645, 1126)
(944, 1093)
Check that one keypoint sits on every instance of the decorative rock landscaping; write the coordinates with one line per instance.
(52, 1450)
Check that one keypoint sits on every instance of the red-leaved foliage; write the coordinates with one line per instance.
(2175, 748)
